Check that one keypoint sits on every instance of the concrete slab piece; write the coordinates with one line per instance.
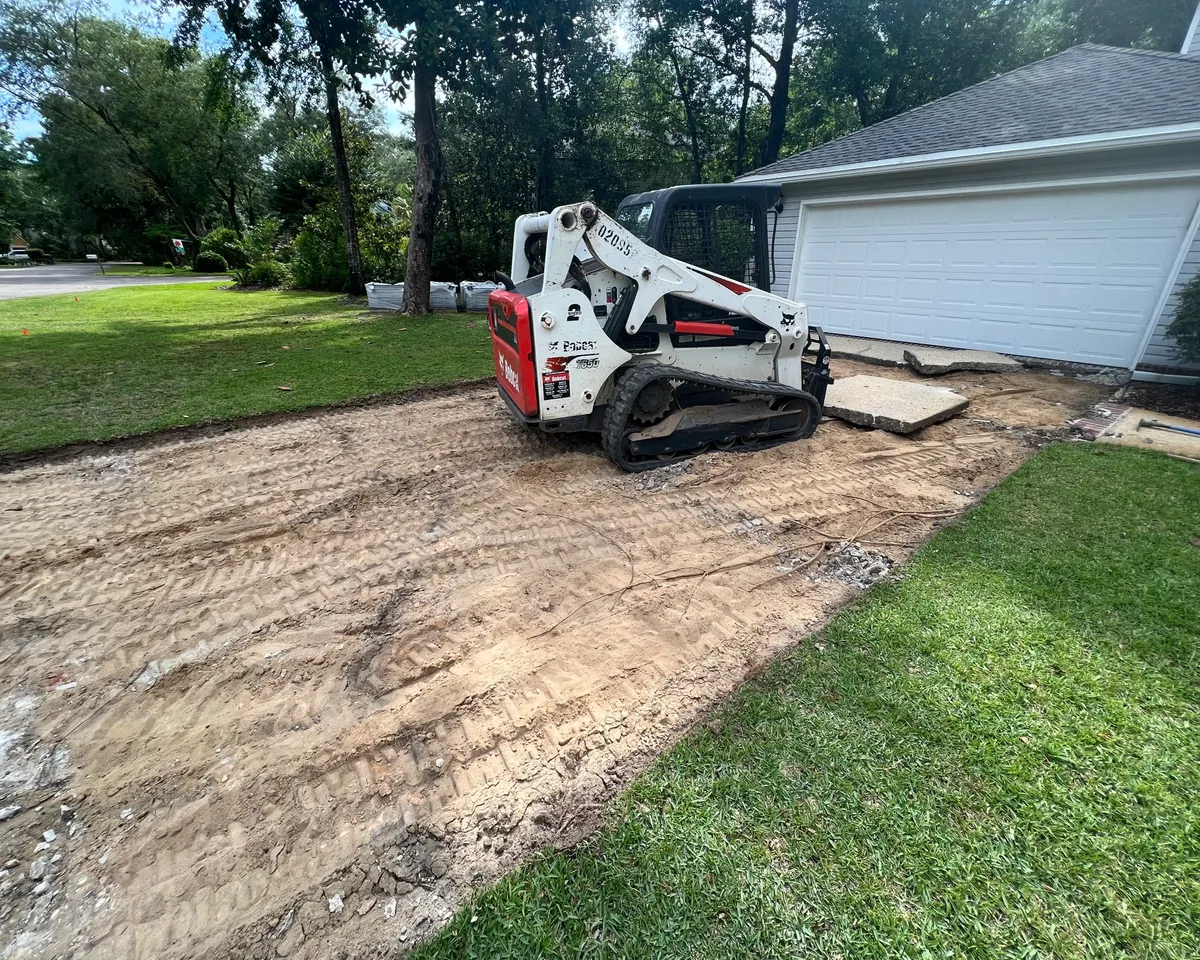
(931, 361)
(883, 353)
(896, 406)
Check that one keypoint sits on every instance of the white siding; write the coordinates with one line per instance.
(785, 244)
(1160, 351)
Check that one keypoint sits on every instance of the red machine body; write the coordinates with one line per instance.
(512, 349)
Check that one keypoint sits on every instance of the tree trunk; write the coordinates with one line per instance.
(863, 104)
(689, 112)
(333, 113)
(231, 206)
(426, 192)
(545, 160)
(739, 160)
(783, 78)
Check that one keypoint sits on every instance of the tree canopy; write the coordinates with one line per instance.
(386, 139)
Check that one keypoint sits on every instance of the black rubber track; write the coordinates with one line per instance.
(616, 428)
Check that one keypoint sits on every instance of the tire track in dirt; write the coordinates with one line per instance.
(381, 652)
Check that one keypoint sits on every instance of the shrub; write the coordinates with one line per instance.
(263, 241)
(208, 262)
(319, 252)
(225, 243)
(168, 265)
(267, 272)
(1185, 328)
(36, 253)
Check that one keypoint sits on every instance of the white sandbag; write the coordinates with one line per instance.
(443, 297)
(473, 294)
(385, 296)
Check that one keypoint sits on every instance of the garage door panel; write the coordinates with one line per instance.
(1022, 253)
(1124, 299)
(927, 253)
(875, 321)
(952, 330)
(1138, 255)
(1098, 344)
(1048, 338)
(846, 285)
(967, 253)
(888, 253)
(913, 326)
(919, 290)
(1067, 274)
(1076, 253)
(817, 252)
(958, 292)
(1062, 298)
(1008, 294)
(881, 288)
(849, 251)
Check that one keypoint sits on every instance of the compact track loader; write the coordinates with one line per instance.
(657, 329)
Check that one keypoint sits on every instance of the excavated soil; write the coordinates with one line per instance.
(297, 689)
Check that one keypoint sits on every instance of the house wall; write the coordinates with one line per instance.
(786, 231)
(1179, 160)
(1161, 355)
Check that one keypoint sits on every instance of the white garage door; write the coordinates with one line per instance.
(1070, 274)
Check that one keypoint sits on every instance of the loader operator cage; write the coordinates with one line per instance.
(723, 228)
(727, 228)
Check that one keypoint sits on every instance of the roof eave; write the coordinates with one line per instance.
(1146, 136)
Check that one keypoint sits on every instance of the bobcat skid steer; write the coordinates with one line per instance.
(657, 329)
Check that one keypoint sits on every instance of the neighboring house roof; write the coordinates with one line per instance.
(1087, 90)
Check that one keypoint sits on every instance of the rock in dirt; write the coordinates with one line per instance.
(39, 868)
(931, 361)
(291, 941)
(893, 405)
(854, 565)
(7, 813)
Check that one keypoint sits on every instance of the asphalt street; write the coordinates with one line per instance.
(68, 278)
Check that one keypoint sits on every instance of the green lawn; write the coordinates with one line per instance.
(116, 362)
(997, 756)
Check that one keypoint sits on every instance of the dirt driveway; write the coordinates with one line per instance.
(293, 690)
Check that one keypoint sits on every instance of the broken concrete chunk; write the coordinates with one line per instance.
(931, 361)
(884, 353)
(893, 405)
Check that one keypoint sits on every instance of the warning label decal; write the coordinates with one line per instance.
(556, 386)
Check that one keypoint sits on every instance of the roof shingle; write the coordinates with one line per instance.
(1085, 90)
